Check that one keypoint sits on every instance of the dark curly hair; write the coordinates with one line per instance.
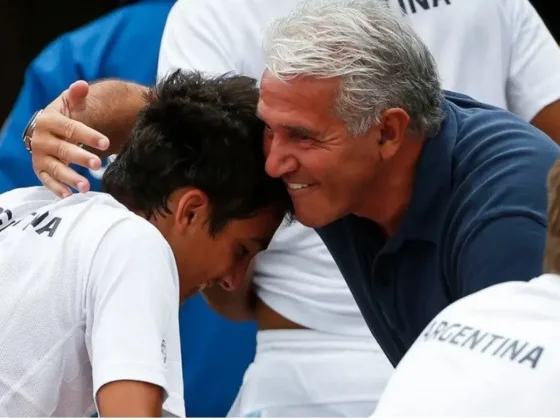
(202, 132)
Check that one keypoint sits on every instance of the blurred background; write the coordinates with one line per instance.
(27, 26)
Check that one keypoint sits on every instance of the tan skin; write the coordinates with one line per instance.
(306, 142)
(222, 259)
(130, 399)
(548, 120)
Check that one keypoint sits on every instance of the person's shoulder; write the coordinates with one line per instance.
(123, 223)
(495, 297)
(507, 307)
(135, 231)
(27, 194)
(95, 206)
(115, 235)
(93, 216)
(497, 157)
(489, 129)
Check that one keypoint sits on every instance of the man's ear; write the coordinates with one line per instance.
(191, 210)
(394, 123)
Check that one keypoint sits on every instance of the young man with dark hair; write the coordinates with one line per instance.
(94, 323)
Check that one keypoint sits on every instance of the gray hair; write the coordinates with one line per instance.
(382, 63)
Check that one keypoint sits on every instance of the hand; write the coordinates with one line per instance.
(58, 138)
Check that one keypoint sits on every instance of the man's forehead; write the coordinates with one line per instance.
(295, 112)
(296, 123)
(299, 89)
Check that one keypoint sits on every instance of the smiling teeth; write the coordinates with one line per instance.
(297, 186)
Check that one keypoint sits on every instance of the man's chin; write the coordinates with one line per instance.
(312, 219)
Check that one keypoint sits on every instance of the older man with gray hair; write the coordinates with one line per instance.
(422, 196)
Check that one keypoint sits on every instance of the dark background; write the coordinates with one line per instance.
(27, 26)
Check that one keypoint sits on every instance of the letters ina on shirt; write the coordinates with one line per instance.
(42, 223)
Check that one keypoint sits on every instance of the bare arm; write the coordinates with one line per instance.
(130, 399)
(237, 305)
(548, 120)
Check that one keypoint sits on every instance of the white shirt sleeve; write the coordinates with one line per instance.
(534, 76)
(197, 37)
(132, 308)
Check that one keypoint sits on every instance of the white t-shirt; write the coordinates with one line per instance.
(498, 51)
(89, 295)
(494, 353)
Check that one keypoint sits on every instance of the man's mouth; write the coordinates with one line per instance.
(296, 186)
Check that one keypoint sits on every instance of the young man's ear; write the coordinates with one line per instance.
(191, 209)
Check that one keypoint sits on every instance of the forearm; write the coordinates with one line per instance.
(548, 120)
(111, 108)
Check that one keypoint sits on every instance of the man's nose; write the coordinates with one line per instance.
(279, 161)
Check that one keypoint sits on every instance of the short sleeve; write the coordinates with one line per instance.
(533, 79)
(132, 305)
(196, 37)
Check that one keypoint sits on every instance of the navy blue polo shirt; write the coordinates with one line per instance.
(477, 217)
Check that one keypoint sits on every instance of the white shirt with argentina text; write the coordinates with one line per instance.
(89, 295)
(494, 353)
